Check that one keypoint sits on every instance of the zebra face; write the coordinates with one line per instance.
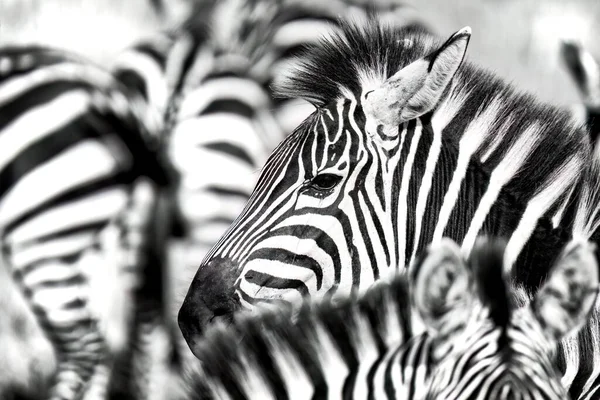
(329, 211)
(484, 346)
(296, 229)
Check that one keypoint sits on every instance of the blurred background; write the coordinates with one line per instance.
(518, 39)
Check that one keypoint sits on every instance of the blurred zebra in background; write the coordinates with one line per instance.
(585, 71)
(483, 339)
(73, 148)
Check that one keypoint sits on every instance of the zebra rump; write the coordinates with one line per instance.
(73, 149)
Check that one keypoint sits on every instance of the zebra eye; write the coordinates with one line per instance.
(325, 181)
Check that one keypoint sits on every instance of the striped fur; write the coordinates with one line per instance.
(72, 149)
(368, 347)
(210, 83)
(339, 204)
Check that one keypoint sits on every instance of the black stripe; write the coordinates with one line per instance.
(273, 282)
(45, 149)
(70, 195)
(35, 96)
(233, 106)
(325, 242)
(134, 82)
(149, 50)
(287, 257)
(231, 150)
(55, 283)
(227, 192)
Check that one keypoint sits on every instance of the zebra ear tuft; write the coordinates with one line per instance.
(442, 287)
(417, 88)
(563, 303)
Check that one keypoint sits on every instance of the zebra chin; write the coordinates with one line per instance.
(211, 298)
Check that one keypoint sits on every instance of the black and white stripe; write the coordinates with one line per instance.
(72, 151)
(481, 341)
(352, 194)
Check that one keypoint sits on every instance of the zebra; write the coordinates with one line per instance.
(209, 83)
(73, 151)
(408, 144)
(482, 338)
(585, 71)
(249, 39)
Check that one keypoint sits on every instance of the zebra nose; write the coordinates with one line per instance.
(210, 298)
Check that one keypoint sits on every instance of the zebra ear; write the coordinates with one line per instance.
(418, 87)
(442, 287)
(563, 303)
(584, 70)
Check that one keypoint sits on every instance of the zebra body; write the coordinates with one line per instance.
(371, 177)
(73, 148)
(478, 343)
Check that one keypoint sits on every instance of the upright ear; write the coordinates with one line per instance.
(564, 302)
(584, 70)
(442, 288)
(418, 87)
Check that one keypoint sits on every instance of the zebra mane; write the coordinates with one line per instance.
(361, 56)
(485, 262)
(270, 343)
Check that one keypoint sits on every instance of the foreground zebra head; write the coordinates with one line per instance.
(479, 342)
(408, 144)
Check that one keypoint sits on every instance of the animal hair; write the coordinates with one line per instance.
(252, 343)
(486, 262)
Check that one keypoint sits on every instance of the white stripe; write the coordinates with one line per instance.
(267, 293)
(189, 136)
(151, 73)
(512, 161)
(241, 89)
(27, 129)
(424, 189)
(473, 137)
(53, 248)
(80, 164)
(407, 170)
(282, 270)
(301, 32)
(557, 184)
(97, 207)
(65, 71)
(326, 223)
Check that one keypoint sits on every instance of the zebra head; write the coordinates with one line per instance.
(302, 224)
(485, 344)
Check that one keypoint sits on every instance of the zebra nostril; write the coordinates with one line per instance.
(250, 276)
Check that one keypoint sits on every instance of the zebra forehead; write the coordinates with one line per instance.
(358, 58)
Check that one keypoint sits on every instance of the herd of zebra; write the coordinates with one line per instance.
(393, 220)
